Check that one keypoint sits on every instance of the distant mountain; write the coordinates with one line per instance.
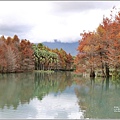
(68, 47)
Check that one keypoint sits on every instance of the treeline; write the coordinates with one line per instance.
(51, 59)
(15, 55)
(100, 49)
(20, 55)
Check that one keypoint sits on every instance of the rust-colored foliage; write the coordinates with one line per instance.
(65, 59)
(101, 48)
(13, 54)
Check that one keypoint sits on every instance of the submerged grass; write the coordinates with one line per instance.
(44, 71)
(77, 74)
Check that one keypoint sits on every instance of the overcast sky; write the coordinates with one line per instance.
(40, 21)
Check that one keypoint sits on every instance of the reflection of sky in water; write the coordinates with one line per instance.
(58, 107)
(61, 105)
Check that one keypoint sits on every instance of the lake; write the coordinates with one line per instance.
(58, 95)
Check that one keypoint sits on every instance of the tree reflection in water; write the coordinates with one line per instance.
(16, 89)
(20, 88)
(96, 97)
(98, 100)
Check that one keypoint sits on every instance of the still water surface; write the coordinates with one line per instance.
(58, 95)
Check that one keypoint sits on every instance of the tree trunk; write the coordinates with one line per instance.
(92, 73)
(43, 68)
(38, 67)
(56, 65)
(116, 72)
(102, 65)
(35, 65)
(103, 73)
(107, 69)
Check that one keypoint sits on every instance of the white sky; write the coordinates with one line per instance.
(40, 21)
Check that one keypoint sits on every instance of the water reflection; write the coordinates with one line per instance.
(98, 100)
(58, 95)
(15, 89)
(107, 83)
(38, 95)
(21, 88)
(47, 83)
